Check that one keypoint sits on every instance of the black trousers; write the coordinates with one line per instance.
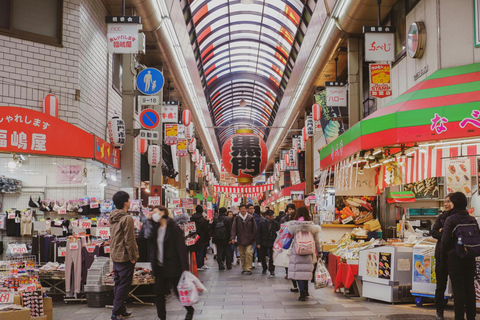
(223, 253)
(462, 274)
(162, 289)
(441, 270)
(262, 256)
(123, 275)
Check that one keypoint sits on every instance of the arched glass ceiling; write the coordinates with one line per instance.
(245, 49)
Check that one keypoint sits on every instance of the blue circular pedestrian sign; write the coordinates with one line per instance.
(150, 81)
(149, 119)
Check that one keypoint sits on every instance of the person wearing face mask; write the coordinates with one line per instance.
(440, 261)
(168, 256)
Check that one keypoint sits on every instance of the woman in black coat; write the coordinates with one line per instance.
(168, 256)
(461, 270)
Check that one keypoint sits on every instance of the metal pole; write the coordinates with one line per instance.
(336, 63)
(379, 3)
(123, 8)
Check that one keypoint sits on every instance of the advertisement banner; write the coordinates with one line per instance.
(336, 94)
(181, 148)
(69, 174)
(379, 43)
(380, 84)
(458, 176)
(171, 134)
(104, 152)
(332, 128)
(169, 113)
(122, 37)
(290, 166)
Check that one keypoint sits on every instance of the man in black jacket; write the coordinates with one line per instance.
(441, 269)
(266, 235)
(221, 231)
(203, 230)
(461, 270)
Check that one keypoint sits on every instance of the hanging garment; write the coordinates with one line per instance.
(73, 267)
(26, 223)
(13, 225)
(89, 252)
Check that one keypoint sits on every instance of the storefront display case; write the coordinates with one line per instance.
(386, 273)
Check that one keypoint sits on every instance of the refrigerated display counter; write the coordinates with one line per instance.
(386, 273)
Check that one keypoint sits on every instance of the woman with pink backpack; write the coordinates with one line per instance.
(304, 249)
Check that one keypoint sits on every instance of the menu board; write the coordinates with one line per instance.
(385, 265)
(372, 264)
(422, 268)
(457, 176)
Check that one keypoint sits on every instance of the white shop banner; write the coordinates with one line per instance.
(379, 44)
(122, 37)
(336, 94)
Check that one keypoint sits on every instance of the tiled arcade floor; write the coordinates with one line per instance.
(233, 296)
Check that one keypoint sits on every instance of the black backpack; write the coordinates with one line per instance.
(220, 232)
(468, 240)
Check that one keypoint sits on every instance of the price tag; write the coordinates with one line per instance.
(137, 224)
(154, 201)
(73, 245)
(7, 297)
(190, 227)
(62, 251)
(192, 241)
(30, 287)
(48, 223)
(177, 211)
(107, 249)
(58, 223)
(62, 211)
(11, 215)
(347, 220)
(94, 205)
(90, 249)
(16, 248)
(103, 232)
(85, 223)
(75, 223)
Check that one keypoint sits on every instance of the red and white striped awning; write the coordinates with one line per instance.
(244, 189)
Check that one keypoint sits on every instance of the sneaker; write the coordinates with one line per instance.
(243, 272)
(259, 264)
(126, 314)
(294, 290)
(264, 271)
(253, 265)
(205, 267)
(272, 273)
(214, 257)
(119, 317)
(248, 273)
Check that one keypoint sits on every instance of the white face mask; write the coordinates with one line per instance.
(156, 217)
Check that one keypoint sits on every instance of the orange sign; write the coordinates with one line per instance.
(292, 15)
(104, 152)
(284, 32)
(171, 134)
(380, 84)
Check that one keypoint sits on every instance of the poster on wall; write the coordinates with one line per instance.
(458, 174)
(424, 189)
(422, 268)
(330, 121)
(69, 174)
(372, 264)
(385, 265)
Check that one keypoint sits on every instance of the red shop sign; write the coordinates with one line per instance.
(104, 152)
(24, 130)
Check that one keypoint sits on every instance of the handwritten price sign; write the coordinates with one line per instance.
(17, 248)
(107, 249)
(190, 227)
(90, 249)
(103, 232)
(62, 211)
(7, 297)
(85, 224)
(154, 201)
(73, 245)
(62, 251)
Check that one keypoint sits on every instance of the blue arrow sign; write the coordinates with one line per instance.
(150, 81)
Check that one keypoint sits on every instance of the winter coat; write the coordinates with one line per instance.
(258, 218)
(456, 217)
(123, 246)
(285, 219)
(203, 228)
(437, 234)
(279, 218)
(267, 232)
(301, 267)
(228, 228)
(245, 231)
(175, 255)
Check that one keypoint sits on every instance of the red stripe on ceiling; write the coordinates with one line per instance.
(275, 81)
(280, 58)
(270, 96)
(200, 13)
(216, 103)
(207, 50)
(216, 95)
(265, 116)
(220, 121)
(210, 70)
(268, 102)
(282, 50)
(204, 34)
(448, 81)
(211, 55)
(267, 111)
(264, 122)
(284, 33)
(218, 116)
(277, 70)
(292, 15)
(211, 80)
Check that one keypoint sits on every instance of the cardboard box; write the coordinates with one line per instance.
(16, 315)
(47, 304)
(44, 317)
(372, 225)
(17, 300)
(49, 314)
(329, 247)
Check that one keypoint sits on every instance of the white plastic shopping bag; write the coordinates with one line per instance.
(281, 257)
(189, 288)
(322, 277)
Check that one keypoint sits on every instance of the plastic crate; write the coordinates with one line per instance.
(430, 212)
(99, 299)
(415, 212)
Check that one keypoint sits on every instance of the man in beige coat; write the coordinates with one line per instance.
(123, 252)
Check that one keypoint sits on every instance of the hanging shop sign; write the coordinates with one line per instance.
(458, 176)
(290, 166)
(192, 145)
(243, 189)
(332, 128)
(379, 43)
(336, 94)
(244, 155)
(190, 131)
(380, 85)
(27, 131)
(310, 126)
(154, 155)
(293, 157)
(181, 148)
(170, 113)
(116, 132)
(105, 153)
(180, 131)
(69, 174)
(282, 166)
(170, 134)
(122, 37)
(416, 40)
(50, 105)
(141, 144)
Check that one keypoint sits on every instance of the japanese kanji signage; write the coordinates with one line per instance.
(69, 174)
(380, 85)
(169, 113)
(336, 94)
(244, 155)
(289, 165)
(122, 37)
(181, 148)
(170, 134)
(104, 152)
(310, 126)
(123, 19)
(379, 43)
(26, 131)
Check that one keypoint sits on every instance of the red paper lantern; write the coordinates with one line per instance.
(186, 117)
(142, 145)
(304, 134)
(50, 105)
(244, 155)
(317, 112)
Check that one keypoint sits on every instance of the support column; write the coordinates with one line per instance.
(156, 177)
(354, 81)
(182, 176)
(309, 166)
(128, 115)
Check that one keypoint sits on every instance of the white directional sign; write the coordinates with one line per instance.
(149, 135)
(149, 100)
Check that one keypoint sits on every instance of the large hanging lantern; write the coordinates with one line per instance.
(244, 155)
(286, 157)
(116, 132)
(154, 155)
(186, 117)
(190, 131)
(310, 126)
(50, 105)
(141, 144)
(192, 145)
(317, 112)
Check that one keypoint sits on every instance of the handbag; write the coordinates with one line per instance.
(281, 257)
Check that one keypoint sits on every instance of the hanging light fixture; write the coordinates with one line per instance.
(360, 171)
(103, 183)
(242, 103)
